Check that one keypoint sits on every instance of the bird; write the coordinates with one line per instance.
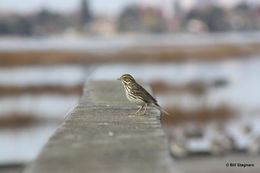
(135, 93)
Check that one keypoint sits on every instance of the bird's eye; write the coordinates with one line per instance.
(126, 79)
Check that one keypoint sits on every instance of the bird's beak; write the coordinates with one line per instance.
(118, 79)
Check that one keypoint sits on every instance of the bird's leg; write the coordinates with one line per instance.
(145, 108)
(139, 109)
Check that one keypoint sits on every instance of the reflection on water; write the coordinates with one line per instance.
(52, 106)
(107, 44)
(23, 144)
(39, 75)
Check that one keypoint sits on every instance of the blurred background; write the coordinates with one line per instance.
(200, 57)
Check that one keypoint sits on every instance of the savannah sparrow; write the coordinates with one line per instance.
(137, 94)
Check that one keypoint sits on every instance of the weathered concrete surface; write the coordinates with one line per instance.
(100, 135)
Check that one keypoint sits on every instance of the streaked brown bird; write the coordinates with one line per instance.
(137, 94)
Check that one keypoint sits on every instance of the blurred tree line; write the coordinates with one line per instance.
(40, 23)
(242, 17)
(135, 19)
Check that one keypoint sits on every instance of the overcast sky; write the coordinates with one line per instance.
(98, 6)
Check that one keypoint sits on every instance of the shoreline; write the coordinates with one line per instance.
(134, 55)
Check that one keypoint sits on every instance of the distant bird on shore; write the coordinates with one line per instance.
(137, 94)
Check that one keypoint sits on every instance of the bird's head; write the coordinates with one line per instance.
(126, 79)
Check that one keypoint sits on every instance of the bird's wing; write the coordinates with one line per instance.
(147, 97)
(139, 90)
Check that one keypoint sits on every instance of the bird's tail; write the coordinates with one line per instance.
(161, 109)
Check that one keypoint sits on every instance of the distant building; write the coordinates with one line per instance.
(175, 24)
(177, 8)
(103, 25)
(257, 16)
(242, 18)
(134, 19)
(85, 13)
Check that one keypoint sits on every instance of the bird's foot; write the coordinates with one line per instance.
(141, 114)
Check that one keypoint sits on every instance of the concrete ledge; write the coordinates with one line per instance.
(99, 136)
